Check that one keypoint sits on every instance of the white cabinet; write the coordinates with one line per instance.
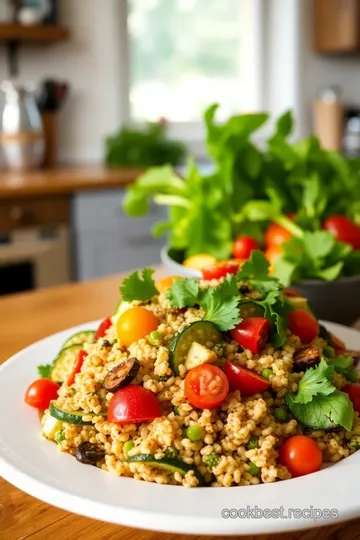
(107, 241)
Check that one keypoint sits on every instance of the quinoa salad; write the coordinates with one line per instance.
(229, 381)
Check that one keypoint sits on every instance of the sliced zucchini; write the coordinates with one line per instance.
(86, 336)
(168, 465)
(203, 332)
(250, 309)
(198, 354)
(72, 417)
(64, 363)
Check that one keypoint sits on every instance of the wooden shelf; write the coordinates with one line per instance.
(39, 33)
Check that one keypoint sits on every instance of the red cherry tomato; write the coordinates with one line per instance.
(243, 379)
(133, 404)
(353, 390)
(220, 269)
(272, 253)
(40, 393)
(344, 230)
(243, 246)
(337, 343)
(303, 324)
(104, 326)
(300, 455)
(206, 386)
(77, 366)
(276, 235)
(252, 333)
(292, 293)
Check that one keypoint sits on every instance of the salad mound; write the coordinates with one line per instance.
(203, 383)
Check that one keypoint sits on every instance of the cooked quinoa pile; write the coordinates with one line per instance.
(235, 443)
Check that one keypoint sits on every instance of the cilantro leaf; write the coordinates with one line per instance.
(344, 366)
(138, 287)
(317, 380)
(256, 270)
(184, 293)
(323, 411)
(221, 304)
(318, 244)
(44, 371)
(276, 307)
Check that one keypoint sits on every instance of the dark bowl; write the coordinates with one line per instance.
(336, 301)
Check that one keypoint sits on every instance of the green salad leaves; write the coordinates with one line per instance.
(317, 403)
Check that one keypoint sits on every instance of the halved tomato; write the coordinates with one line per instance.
(206, 386)
(244, 379)
(220, 269)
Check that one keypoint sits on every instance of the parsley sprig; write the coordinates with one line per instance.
(139, 286)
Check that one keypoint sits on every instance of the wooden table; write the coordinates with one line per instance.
(25, 318)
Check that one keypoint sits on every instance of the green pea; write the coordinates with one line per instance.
(267, 373)
(155, 338)
(253, 469)
(129, 445)
(280, 414)
(194, 433)
(329, 351)
(253, 443)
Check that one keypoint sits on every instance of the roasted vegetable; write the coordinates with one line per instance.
(121, 375)
(306, 357)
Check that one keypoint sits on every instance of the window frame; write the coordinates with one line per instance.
(193, 133)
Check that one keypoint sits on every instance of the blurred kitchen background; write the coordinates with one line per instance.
(75, 73)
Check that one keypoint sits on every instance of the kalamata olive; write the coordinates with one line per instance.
(121, 375)
(306, 358)
(89, 453)
(244, 289)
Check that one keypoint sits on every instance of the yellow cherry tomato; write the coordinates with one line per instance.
(134, 324)
(165, 283)
(199, 261)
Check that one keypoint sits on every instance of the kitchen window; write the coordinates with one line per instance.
(186, 54)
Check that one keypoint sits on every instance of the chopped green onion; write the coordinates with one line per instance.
(129, 445)
(211, 460)
(253, 443)
(194, 433)
(59, 436)
(253, 469)
(267, 373)
(171, 452)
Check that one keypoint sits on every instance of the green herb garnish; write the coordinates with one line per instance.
(44, 371)
(139, 286)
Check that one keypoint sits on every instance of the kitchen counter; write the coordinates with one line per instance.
(28, 317)
(63, 181)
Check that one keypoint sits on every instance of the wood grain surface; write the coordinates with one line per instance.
(25, 318)
(66, 180)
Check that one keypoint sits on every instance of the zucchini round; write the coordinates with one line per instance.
(64, 363)
(72, 417)
(167, 465)
(86, 336)
(203, 332)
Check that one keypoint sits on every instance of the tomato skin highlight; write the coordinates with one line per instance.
(40, 393)
(220, 269)
(343, 229)
(243, 246)
(252, 333)
(244, 379)
(304, 325)
(77, 366)
(300, 455)
(133, 404)
(353, 391)
(292, 293)
(134, 324)
(206, 386)
(275, 235)
(104, 326)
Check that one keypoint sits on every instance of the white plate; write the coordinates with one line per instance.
(35, 466)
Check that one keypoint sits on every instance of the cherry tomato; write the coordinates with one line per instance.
(252, 333)
(243, 379)
(243, 246)
(197, 262)
(353, 389)
(272, 253)
(206, 386)
(276, 235)
(292, 293)
(337, 343)
(40, 393)
(300, 455)
(103, 328)
(344, 230)
(134, 324)
(165, 283)
(133, 404)
(220, 269)
(77, 366)
(303, 324)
